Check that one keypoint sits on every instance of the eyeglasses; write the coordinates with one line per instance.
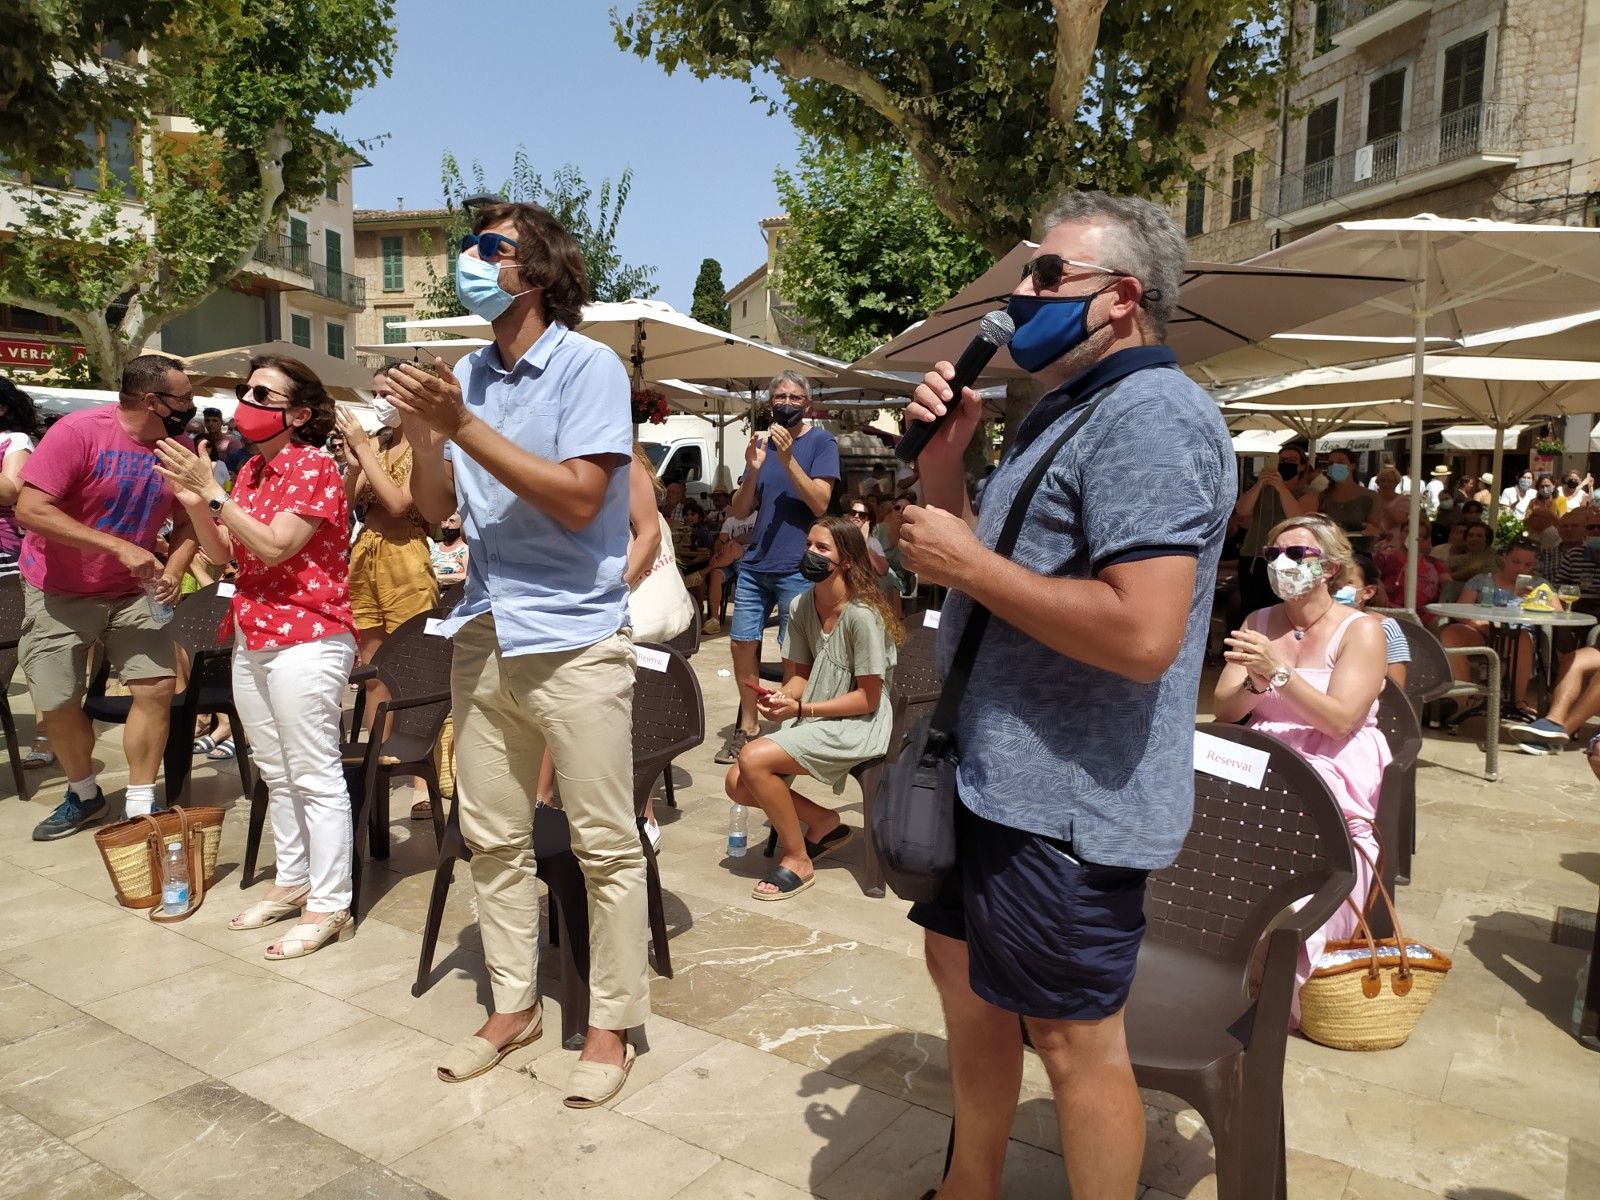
(489, 245)
(792, 397)
(257, 393)
(860, 512)
(1048, 270)
(1292, 553)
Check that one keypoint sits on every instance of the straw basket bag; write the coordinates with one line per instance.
(133, 851)
(444, 758)
(1368, 993)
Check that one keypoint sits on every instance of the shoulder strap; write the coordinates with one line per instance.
(942, 727)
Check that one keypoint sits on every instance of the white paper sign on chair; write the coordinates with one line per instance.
(1229, 760)
(651, 660)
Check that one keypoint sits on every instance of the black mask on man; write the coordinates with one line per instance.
(448, 535)
(175, 421)
(788, 415)
(1288, 468)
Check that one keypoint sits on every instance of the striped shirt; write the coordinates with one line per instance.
(1395, 646)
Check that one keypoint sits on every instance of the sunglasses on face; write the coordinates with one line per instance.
(169, 397)
(1048, 270)
(1292, 553)
(257, 393)
(490, 245)
(860, 512)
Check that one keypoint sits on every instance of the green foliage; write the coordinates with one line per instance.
(867, 251)
(54, 83)
(1003, 104)
(708, 306)
(120, 261)
(592, 219)
(1508, 527)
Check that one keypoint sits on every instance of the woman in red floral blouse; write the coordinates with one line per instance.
(294, 640)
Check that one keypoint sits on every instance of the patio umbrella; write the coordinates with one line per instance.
(1220, 306)
(343, 379)
(1317, 423)
(1470, 277)
(452, 350)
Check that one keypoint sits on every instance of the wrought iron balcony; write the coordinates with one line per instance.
(278, 250)
(1456, 144)
(1353, 22)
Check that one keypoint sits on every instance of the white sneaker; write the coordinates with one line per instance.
(652, 830)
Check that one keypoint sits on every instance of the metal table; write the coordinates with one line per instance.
(1504, 636)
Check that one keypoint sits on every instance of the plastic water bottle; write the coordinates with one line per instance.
(738, 831)
(174, 881)
(160, 610)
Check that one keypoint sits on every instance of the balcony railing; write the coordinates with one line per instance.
(1345, 15)
(1465, 133)
(278, 250)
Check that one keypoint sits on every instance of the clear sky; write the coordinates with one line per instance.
(478, 77)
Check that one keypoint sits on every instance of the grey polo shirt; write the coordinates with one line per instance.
(1049, 744)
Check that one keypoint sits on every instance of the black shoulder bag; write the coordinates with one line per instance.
(914, 814)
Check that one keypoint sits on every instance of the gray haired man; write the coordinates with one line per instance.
(1075, 732)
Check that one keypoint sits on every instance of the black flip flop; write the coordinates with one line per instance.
(787, 883)
(829, 842)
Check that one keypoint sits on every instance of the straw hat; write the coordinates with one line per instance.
(1441, 472)
(1486, 477)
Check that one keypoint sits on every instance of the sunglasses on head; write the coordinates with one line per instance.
(257, 393)
(1292, 553)
(489, 245)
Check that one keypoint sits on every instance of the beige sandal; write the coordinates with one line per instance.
(473, 1057)
(267, 912)
(310, 936)
(593, 1084)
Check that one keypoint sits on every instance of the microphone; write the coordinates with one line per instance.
(995, 330)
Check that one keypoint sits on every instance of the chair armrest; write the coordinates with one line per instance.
(394, 706)
(363, 672)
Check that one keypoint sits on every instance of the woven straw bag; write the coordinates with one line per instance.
(133, 851)
(444, 758)
(1372, 993)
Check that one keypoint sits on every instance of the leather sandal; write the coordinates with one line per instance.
(471, 1058)
(593, 1084)
(786, 881)
(310, 936)
(266, 912)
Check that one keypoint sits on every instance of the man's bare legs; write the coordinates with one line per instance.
(144, 737)
(71, 736)
(746, 666)
(1097, 1104)
(1577, 694)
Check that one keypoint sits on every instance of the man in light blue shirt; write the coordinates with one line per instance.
(530, 440)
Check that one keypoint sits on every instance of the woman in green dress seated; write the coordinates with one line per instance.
(833, 705)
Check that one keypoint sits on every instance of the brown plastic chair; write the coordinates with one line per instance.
(1195, 1028)
(916, 674)
(1397, 795)
(1428, 679)
(10, 636)
(686, 644)
(1589, 1018)
(668, 719)
(197, 626)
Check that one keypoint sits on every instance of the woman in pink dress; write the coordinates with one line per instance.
(1309, 671)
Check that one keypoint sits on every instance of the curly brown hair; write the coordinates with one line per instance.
(860, 580)
(306, 392)
(547, 255)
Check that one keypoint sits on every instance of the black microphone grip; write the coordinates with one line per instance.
(968, 367)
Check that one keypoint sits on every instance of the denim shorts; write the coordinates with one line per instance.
(1047, 934)
(754, 594)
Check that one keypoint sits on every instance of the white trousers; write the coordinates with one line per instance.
(290, 701)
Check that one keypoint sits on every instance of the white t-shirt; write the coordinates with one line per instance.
(14, 443)
(1403, 490)
(1518, 501)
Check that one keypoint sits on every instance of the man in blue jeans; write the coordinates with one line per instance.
(789, 476)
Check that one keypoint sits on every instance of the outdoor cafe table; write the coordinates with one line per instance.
(1505, 639)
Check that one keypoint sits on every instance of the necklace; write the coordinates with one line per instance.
(1301, 631)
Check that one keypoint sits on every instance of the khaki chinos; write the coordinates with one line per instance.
(506, 711)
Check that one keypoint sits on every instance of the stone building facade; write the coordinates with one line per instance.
(1462, 108)
(394, 249)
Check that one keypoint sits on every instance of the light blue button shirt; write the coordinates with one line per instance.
(550, 589)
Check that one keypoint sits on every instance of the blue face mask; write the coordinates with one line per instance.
(1592, 543)
(1346, 595)
(1338, 473)
(1048, 327)
(478, 287)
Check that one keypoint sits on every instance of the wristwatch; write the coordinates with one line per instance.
(1280, 677)
(216, 505)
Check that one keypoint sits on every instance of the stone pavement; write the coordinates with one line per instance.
(798, 1051)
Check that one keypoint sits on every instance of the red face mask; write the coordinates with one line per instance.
(259, 423)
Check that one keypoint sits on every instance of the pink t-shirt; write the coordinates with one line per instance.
(102, 478)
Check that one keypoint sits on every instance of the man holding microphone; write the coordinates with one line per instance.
(1074, 735)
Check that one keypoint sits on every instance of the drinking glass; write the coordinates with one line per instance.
(1570, 594)
(1524, 586)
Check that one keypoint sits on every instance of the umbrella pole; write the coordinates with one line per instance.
(1414, 514)
(1499, 474)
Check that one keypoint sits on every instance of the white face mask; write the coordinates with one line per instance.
(1290, 580)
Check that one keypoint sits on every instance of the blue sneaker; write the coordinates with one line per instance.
(71, 815)
(1543, 730)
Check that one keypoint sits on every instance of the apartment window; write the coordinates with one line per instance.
(1244, 182)
(391, 332)
(1386, 97)
(299, 247)
(332, 192)
(1463, 75)
(300, 330)
(333, 243)
(394, 264)
(1194, 207)
(744, 308)
(1322, 33)
(1322, 138)
(335, 339)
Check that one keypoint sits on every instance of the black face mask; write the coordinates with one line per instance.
(449, 535)
(788, 415)
(175, 421)
(1288, 469)
(814, 568)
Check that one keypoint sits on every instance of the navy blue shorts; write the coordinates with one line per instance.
(1047, 934)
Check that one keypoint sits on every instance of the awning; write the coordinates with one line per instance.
(1359, 439)
(1260, 441)
(1475, 437)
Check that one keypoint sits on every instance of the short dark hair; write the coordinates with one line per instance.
(1368, 569)
(212, 412)
(17, 413)
(306, 392)
(147, 373)
(548, 256)
(1304, 449)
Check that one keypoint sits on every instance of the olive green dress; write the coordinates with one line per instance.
(859, 645)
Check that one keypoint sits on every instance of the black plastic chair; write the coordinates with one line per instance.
(1196, 1028)
(1589, 1016)
(686, 644)
(10, 636)
(1428, 679)
(1397, 795)
(197, 627)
